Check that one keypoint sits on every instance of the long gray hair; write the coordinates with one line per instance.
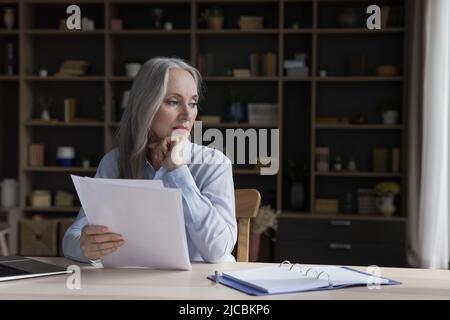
(146, 96)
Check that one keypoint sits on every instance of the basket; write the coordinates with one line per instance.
(250, 23)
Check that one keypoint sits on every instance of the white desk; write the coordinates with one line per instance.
(99, 283)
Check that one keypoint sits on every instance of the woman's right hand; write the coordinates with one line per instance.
(98, 241)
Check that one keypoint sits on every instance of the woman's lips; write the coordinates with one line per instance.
(180, 128)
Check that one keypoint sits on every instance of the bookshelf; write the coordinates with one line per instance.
(290, 27)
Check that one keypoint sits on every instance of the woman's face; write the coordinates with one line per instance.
(179, 108)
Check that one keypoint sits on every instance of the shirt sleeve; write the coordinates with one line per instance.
(71, 241)
(210, 212)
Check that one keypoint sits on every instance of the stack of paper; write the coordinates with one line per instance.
(148, 216)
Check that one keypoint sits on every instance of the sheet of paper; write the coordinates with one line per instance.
(276, 280)
(150, 219)
(129, 182)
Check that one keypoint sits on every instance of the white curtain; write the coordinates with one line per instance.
(434, 220)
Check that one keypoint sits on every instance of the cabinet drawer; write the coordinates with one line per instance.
(342, 230)
(340, 253)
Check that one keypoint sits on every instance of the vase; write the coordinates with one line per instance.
(8, 18)
(390, 117)
(215, 22)
(385, 205)
(235, 112)
(297, 195)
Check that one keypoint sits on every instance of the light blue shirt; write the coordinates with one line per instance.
(206, 184)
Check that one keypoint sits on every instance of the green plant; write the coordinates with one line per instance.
(210, 12)
(387, 188)
(297, 171)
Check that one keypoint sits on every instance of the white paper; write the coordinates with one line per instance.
(149, 218)
(129, 182)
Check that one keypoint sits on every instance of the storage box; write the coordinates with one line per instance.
(36, 155)
(40, 198)
(63, 199)
(262, 114)
(63, 225)
(38, 237)
(297, 72)
(330, 206)
(250, 23)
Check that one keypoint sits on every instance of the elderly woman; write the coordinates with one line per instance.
(160, 114)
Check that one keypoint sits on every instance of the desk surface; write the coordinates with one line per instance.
(99, 283)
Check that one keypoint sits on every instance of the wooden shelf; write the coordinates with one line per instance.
(120, 78)
(5, 32)
(9, 78)
(57, 78)
(357, 79)
(238, 79)
(235, 32)
(237, 125)
(298, 31)
(340, 216)
(138, 32)
(57, 32)
(40, 123)
(358, 31)
(296, 79)
(52, 209)
(358, 174)
(60, 169)
(357, 126)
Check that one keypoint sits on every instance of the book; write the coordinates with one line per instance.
(290, 278)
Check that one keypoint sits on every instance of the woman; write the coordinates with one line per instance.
(153, 130)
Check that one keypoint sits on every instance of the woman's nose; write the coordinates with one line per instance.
(187, 112)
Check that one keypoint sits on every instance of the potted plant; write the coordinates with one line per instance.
(212, 17)
(266, 219)
(386, 192)
(297, 174)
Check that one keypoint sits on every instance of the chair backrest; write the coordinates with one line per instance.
(247, 206)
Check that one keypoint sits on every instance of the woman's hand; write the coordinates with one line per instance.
(98, 241)
(169, 152)
(158, 151)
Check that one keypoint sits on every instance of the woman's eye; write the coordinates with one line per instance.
(172, 103)
(194, 104)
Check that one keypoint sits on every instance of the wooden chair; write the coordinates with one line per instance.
(247, 206)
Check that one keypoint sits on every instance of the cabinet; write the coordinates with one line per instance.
(318, 30)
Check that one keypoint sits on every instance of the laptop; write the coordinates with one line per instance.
(15, 267)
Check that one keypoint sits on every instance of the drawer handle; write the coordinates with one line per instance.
(340, 246)
(343, 223)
